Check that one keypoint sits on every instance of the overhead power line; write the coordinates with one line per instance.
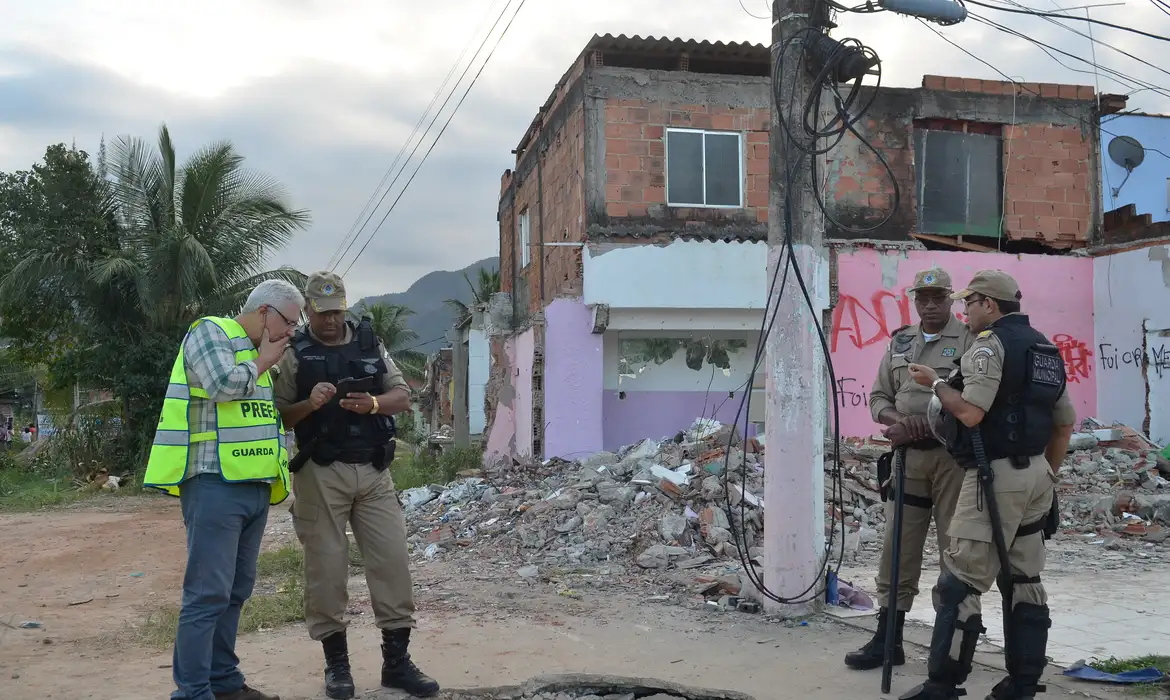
(354, 229)
(1037, 13)
(1122, 78)
(1025, 88)
(450, 117)
(431, 125)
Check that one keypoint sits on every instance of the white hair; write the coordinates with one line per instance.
(275, 293)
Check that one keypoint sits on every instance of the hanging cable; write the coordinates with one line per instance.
(830, 66)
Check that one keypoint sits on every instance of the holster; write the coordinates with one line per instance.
(1052, 523)
(885, 469)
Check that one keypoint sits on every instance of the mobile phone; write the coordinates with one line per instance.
(350, 385)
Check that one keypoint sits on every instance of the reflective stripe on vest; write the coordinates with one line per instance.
(247, 432)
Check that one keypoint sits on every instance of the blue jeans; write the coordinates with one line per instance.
(225, 523)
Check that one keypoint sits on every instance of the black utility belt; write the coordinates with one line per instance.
(1017, 461)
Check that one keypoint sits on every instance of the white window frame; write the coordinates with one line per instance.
(666, 168)
(524, 228)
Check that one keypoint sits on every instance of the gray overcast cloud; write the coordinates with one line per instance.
(323, 93)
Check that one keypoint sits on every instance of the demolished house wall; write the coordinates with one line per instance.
(605, 390)
(1045, 151)
(872, 302)
(1132, 342)
(510, 430)
(573, 365)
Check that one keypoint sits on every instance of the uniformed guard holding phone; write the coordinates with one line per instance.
(339, 390)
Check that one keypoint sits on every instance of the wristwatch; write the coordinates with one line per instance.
(935, 383)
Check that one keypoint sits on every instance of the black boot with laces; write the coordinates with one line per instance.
(338, 677)
(398, 671)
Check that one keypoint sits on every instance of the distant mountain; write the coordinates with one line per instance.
(432, 319)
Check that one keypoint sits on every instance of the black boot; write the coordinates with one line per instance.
(398, 671)
(338, 678)
(944, 673)
(1026, 656)
(872, 654)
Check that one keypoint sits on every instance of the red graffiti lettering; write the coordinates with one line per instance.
(866, 325)
(1076, 355)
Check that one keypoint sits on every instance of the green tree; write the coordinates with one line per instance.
(100, 277)
(486, 284)
(390, 325)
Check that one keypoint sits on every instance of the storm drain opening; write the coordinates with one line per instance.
(595, 687)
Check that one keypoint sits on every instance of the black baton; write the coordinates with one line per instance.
(895, 568)
(1004, 579)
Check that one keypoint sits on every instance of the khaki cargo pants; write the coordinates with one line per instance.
(933, 480)
(327, 498)
(1024, 496)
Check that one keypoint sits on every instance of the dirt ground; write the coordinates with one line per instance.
(90, 573)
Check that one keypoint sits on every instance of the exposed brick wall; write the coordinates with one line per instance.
(1048, 184)
(1003, 87)
(551, 165)
(635, 158)
(506, 217)
(1049, 157)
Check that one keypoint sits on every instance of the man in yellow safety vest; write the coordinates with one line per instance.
(219, 447)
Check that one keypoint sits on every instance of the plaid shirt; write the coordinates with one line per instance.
(211, 365)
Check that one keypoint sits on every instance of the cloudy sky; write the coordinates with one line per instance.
(323, 93)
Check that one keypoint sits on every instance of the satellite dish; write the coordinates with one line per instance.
(1127, 152)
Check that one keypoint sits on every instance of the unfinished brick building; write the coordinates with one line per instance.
(666, 142)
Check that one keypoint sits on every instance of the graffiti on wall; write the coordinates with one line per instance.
(871, 306)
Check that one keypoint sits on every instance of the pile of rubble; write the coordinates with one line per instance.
(1113, 483)
(663, 504)
(658, 503)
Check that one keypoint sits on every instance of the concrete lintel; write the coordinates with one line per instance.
(680, 88)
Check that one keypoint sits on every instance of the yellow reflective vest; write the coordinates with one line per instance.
(248, 431)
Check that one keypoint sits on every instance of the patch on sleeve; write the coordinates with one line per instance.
(981, 363)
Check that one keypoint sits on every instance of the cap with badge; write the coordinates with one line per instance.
(995, 284)
(325, 292)
(934, 278)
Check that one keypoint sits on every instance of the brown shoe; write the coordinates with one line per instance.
(246, 693)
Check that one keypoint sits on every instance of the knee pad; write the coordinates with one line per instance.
(952, 591)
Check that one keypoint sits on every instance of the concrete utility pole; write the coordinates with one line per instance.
(796, 390)
(462, 425)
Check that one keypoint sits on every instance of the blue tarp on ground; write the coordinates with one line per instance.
(1088, 673)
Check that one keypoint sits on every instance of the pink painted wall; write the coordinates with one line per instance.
(511, 429)
(573, 362)
(1058, 296)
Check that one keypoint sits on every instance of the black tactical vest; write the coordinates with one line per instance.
(331, 432)
(1019, 423)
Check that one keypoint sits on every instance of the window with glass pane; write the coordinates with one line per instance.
(704, 168)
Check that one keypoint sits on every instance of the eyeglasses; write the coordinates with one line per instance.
(969, 301)
(287, 322)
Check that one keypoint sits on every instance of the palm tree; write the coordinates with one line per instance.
(193, 238)
(389, 321)
(487, 284)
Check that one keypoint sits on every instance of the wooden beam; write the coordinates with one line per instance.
(946, 240)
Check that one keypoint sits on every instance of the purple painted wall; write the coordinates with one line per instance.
(573, 362)
(658, 414)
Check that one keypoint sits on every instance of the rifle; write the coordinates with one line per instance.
(895, 568)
